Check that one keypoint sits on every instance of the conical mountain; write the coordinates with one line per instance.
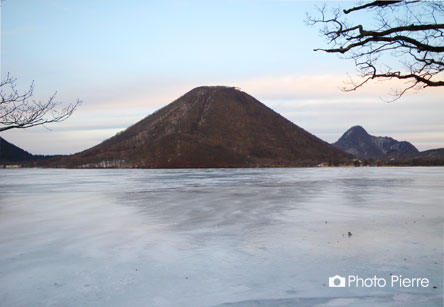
(360, 144)
(209, 127)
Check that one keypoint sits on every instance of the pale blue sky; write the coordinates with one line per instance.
(83, 41)
(125, 59)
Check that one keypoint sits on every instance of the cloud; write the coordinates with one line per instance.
(312, 87)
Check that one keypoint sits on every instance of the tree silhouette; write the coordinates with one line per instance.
(19, 110)
(404, 40)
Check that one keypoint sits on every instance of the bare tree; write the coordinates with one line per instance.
(402, 40)
(18, 110)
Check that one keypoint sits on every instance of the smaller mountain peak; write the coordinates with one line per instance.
(355, 131)
(357, 128)
(359, 143)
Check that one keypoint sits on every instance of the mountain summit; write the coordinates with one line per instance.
(208, 127)
(360, 144)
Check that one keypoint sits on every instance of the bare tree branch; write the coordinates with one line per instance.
(409, 36)
(19, 111)
(371, 5)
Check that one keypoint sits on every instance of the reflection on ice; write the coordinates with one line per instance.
(226, 237)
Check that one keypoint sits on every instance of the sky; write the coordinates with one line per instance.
(126, 59)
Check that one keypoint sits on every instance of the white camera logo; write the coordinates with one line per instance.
(336, 281)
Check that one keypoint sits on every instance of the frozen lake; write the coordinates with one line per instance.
(219, 237)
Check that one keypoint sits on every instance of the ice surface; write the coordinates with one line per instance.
(219, 237)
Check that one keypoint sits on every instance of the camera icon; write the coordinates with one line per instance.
(336, 281)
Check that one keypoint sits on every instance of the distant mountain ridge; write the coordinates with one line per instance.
(9, 153)
(210, 126)
(359, 143)
(431, 157)
(12, 154)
